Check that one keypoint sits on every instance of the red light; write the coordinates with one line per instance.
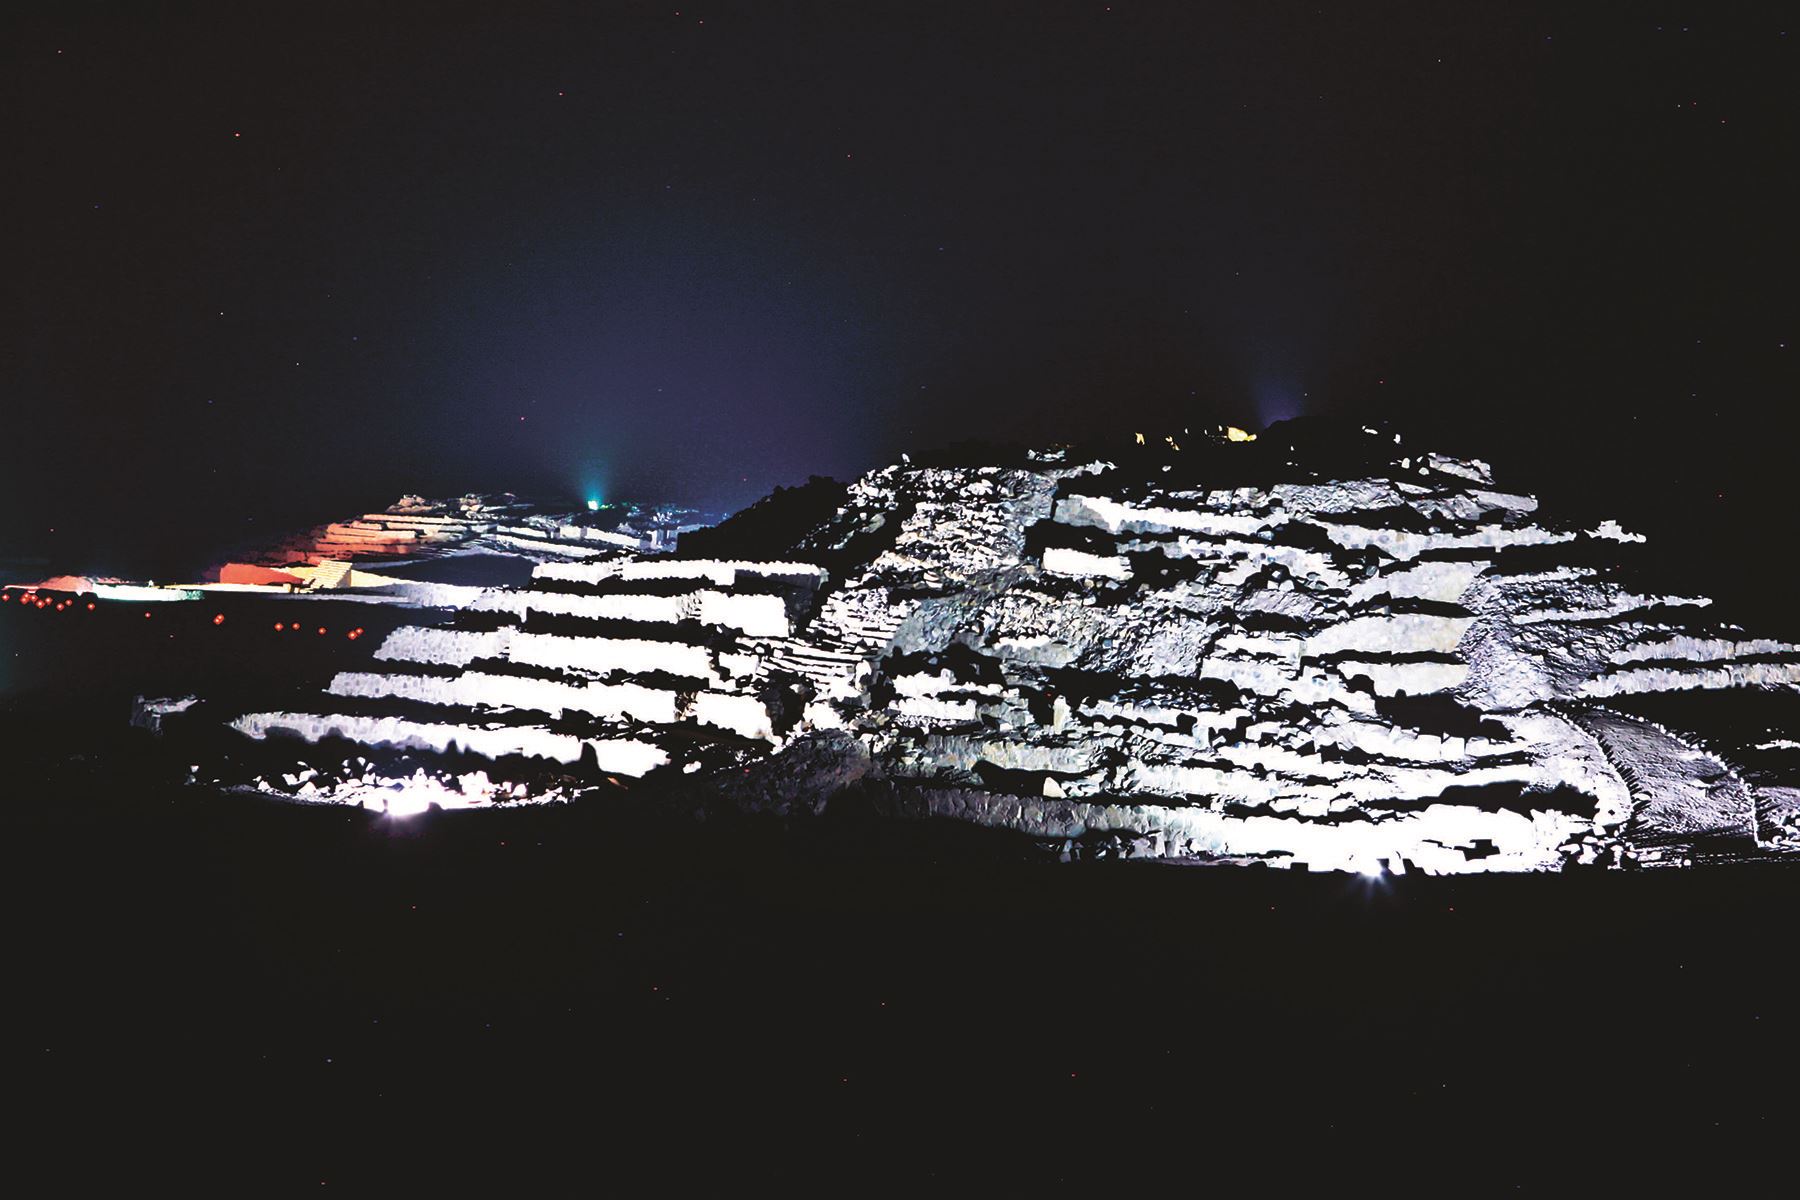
(278, 627)
(218, 618)
(321, 631)
(90, 606)
(5, 596)
(146, 616)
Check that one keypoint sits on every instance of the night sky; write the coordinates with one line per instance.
(272, 264)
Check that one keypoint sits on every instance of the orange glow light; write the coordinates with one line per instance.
(278, 627)
(218, 618)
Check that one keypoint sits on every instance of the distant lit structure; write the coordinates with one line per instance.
(1218, 433)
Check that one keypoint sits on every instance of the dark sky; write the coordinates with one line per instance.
(277, 261)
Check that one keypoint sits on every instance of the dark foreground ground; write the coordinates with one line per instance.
(209, 989)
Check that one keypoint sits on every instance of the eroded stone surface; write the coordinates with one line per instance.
(1401, 670)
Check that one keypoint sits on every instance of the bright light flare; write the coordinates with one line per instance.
(413, 795)
(410, 801)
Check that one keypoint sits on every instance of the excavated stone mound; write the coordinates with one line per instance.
(1343, 655)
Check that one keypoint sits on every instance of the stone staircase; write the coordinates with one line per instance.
(330, 575)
